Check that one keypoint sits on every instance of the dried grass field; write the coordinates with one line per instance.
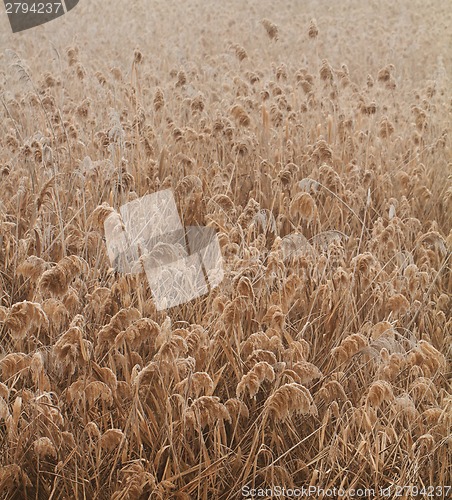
(314, 137)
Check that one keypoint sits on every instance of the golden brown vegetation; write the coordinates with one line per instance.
(314, 138)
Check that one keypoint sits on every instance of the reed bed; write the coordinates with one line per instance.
(314, 137)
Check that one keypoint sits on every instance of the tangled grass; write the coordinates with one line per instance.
(314, 138)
